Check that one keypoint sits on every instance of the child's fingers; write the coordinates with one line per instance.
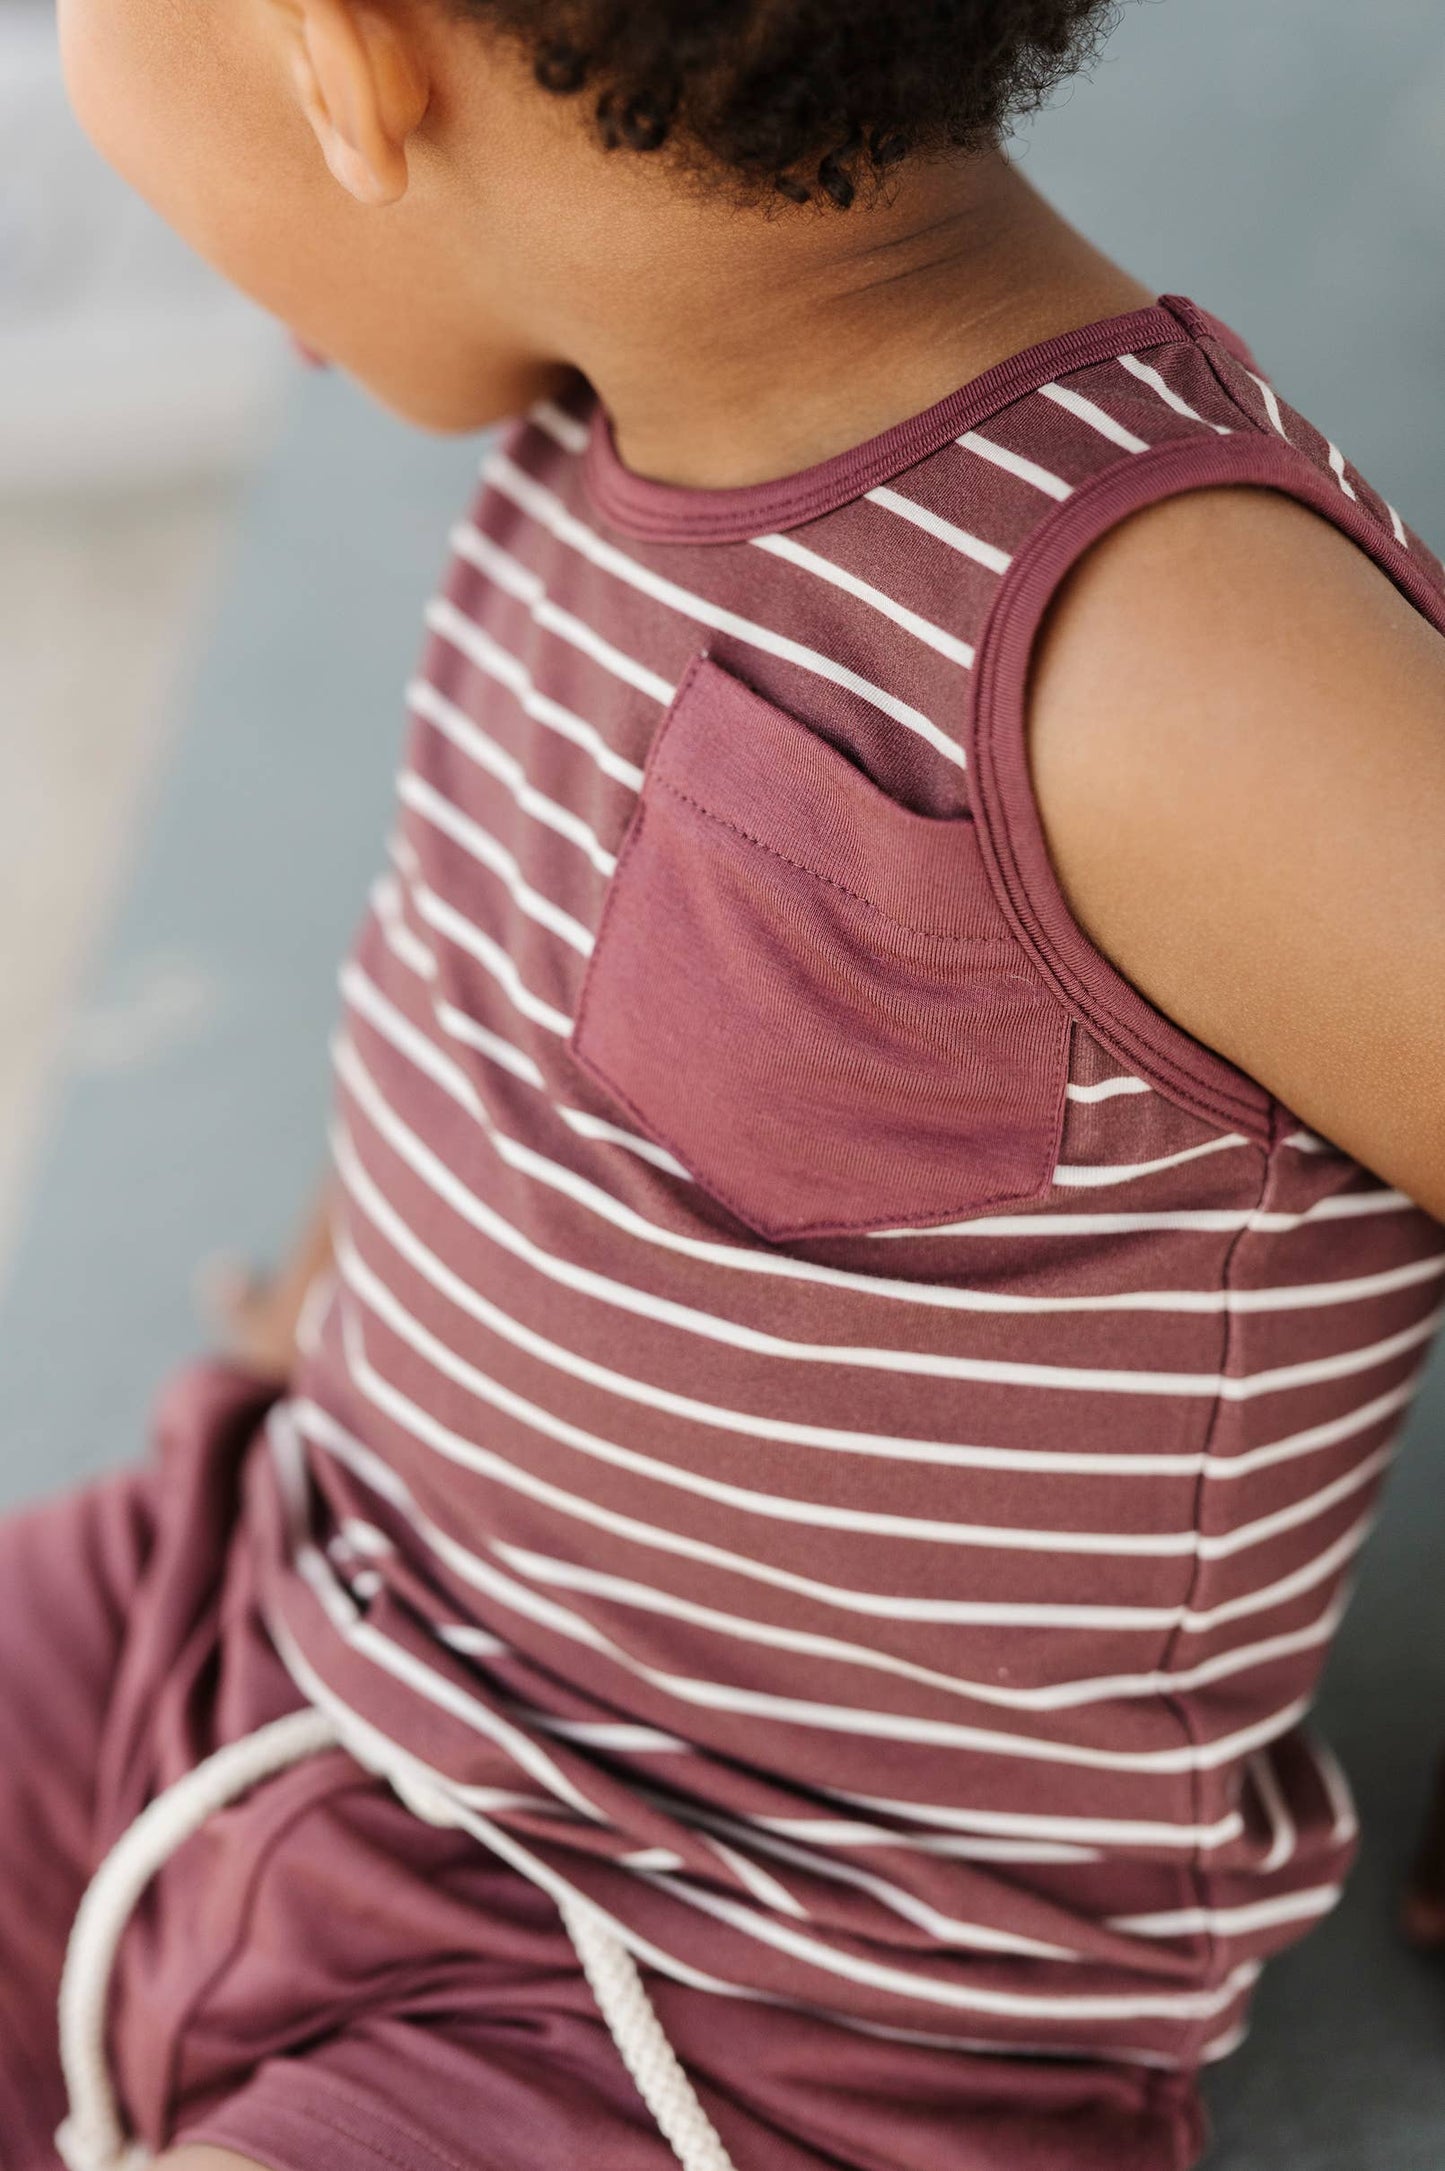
(227, 1292)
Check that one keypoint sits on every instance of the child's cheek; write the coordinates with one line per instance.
(90, 89)
(125, 74)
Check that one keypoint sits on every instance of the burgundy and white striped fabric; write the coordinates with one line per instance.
(838, 1427)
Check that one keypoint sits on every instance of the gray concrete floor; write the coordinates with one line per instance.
(100, 602)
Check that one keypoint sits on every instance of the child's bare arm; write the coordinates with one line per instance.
(1238, 742)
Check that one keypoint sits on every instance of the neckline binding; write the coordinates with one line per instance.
(666, 512)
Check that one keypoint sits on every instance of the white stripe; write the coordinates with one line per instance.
(564, 429)
(326, 1434)
(1013, 2047)
(1337, 1790)
(312, 1566)
(445, 920)
(959, 539)
(424, 799)
(387, 905)
(365, 1538)
(1166, 392)
(479, 648)
(1200, 2004)
(527, 587)
(1230, 1542)
(595, 1127)
(553, 515)
(755, 1879)
(1346, 1826)
(1079, 1175)
(1289, 1587)
(964, 1847)
(1397, 524)
(426, 1428)
(465, 1029)
(1309, 1142)
(1343, 1365)
(1271, 404)
(1088, 411)
(1337, 462)
(783, 1508)
(1108, 1088)
(1243, 1921)
(1224, 2046)
(854, 1720)
(472, 741)
(1315, 1437)
(1117, 1832)
(1339, 1206)
(1282, 1825)
(1014, 463)
(945, 1929)
(461, 1026)
(1060, 1696)
(615, 1737)
(474, 1643)
(808, 561)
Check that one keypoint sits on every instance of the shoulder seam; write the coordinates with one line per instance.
(1206, 344)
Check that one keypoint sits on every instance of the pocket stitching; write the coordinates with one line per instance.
(629, 842)
(936, 934)
(971, 1203)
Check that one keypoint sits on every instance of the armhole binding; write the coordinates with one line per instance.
(1011, 835)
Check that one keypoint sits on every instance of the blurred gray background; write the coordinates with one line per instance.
(1282, 162)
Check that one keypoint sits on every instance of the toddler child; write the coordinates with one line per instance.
(887, 1161)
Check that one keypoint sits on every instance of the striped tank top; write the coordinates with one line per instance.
(837, 1428)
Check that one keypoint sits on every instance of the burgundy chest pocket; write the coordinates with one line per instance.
(806, 991)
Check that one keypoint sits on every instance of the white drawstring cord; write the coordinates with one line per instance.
(642, 2043)
(93, 2137)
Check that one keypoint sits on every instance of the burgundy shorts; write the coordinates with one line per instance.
(322, 1983)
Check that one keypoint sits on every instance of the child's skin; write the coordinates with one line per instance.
(1238, 726)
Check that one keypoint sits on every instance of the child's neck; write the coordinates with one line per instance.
(760, 346)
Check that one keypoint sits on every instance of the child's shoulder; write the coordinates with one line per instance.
(1237, 737)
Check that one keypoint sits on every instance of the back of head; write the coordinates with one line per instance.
(809, 98)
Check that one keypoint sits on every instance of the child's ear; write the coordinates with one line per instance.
(363, 87)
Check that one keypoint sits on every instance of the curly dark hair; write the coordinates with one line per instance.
(813, 98)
